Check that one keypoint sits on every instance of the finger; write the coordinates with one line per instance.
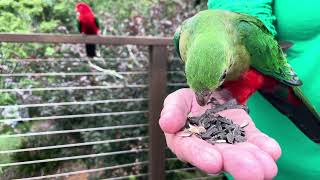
(176, 108)
(254, 136)
(196, 151)
(240, 163)
(266, 161)
(265, 143)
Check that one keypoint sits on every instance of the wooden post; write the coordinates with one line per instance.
(157, 92)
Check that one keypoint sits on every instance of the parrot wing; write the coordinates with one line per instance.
(78, 26)
(302, 113)
(97, 22)
(176, 39)
(265, 52)
(267, 57)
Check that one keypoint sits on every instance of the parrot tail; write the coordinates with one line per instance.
(91, 50)
(290, 101)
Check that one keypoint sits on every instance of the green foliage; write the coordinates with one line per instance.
(48, 26)
(6, 98)
(7, 143)
(124, 8)
(25, 16)
(21, 15)
(12, 23)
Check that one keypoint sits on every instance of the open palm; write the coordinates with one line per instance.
(254, 159)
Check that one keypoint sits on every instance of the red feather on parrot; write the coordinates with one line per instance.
(251, 81)
(283, 97)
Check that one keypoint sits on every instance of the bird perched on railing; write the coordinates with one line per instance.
(237, 51)
(87, 24)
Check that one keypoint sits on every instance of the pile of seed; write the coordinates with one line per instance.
(215, 129)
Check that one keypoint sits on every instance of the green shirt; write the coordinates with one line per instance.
(298, 21)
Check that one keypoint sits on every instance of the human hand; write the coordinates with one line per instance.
(250, 160)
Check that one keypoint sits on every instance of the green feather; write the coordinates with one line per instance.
(176, 39)
(97, 22)
(78, 26)
(298, 92)
(265, 53)
(204, 51)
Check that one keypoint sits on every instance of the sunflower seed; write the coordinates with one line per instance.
(214, 128)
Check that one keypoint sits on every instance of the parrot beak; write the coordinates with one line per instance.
(203, 97)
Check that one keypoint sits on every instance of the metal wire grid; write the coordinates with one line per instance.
(110, 168)
(72, 145)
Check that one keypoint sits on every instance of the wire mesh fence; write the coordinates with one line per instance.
(61, 118)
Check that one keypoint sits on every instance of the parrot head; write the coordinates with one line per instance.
(207, 64)
(83, 9)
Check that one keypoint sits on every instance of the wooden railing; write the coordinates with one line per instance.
(158, 57)
(77, 39)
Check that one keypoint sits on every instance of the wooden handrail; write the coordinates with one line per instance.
(79, 39)
(158, 59)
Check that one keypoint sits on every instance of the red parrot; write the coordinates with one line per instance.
(87, 24)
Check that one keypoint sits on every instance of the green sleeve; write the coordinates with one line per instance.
(297, 22)
(300, 157)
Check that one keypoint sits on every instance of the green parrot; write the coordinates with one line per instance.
(223, 49)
